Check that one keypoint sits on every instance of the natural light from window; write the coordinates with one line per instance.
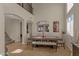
(17, 51)
(70, 25)
(69, 6)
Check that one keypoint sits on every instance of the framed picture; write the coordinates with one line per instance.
(42, 26)
(56, 26)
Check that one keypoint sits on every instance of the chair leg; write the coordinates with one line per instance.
(56, 48)
(64, 45)
(27, 44)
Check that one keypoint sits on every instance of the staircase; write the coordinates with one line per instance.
(8, 40)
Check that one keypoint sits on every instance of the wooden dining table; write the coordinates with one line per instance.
(50, 41)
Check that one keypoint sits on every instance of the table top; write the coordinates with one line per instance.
(45, 38)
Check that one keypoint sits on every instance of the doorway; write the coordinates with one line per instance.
(29, 29)
(21, 31)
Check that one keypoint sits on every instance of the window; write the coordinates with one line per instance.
(27, 6)
(70, 25)
(69, 6)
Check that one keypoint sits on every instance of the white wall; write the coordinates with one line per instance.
(25, 15)
(69, 39)
(49, 12)
(12, 9)
(76, 20)
(12, 27)
(2, 36)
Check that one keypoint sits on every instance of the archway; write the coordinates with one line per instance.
(13, 29)
(17, 20)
